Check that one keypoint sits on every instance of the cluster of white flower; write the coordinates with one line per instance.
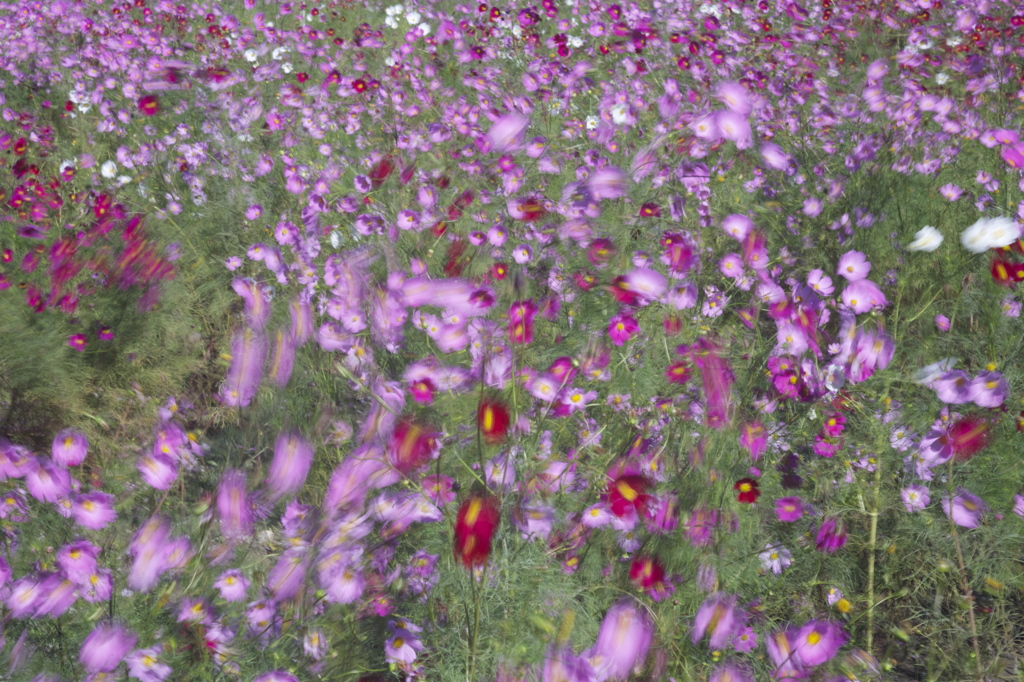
(250, 55)
(710, 9)
(575, 41)
(393, 12)
(990, 233)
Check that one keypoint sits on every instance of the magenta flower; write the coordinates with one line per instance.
(831, 536)
(915, 498)
(233, 505)
(105, 647)
(781, 647)
(854, 266)
(622, 642)
(731, 672)
(739, 226)
(150, 547)
(719, 619)
(745, 640)
(69, 448)
(77, 341)
(622, 328)
(818, 642)
(293, 455)
(717, 379)
(967, 509)
(78, 560)
(942, 322)
(508, 132)
(276, 676)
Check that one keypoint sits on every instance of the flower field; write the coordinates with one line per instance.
(565, 342)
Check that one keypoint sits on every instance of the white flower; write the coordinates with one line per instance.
(108, 169)
(592, 122)
(287, 67)
(123, 180)
(927, 375)
(926, 239)
(989, 233)
(575, 41)
(413, 17)
(278, 53)
(618, 113)
(250, 55)
(391, 22)
(942, 78)
(424, 28)
(65, 164)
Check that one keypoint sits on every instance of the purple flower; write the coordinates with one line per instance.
(915, 498)
(232, 585)
(145, 665)
(105, 647)
(862, 295)
(954, 387)
(402, 646)
(720, 619)
(966, 509)
(951, 192)
(732, 672)
(253, 212)
(288, 575)
(1018, 506)
(314, 644)
(158, 470)
(276, 676)
(69, 448)
(942, 322)
(988, 389)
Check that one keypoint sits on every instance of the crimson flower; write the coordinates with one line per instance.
(748, 490)
(474, 527)
(627, 493)
(969, 435)
(493, 419)
(149, 105)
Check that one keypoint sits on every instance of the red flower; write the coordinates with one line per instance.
(302, 76)
(499, 271)
(969, 435)
(493, 419)
(627, 493)
(645, 572)
(474, 527)
(748, 490)
(149, 105)
(359, 85)
(411, 446)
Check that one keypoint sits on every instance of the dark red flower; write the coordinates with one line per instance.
(650, 210)
(747, 489)
(359, 85)
(302, 76)
(474, 528)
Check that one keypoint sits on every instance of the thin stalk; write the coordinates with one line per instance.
(968, 595)
(872, 541)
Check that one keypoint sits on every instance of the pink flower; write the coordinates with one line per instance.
(942, 322)
(77, 341)
(854, 266)
(232, 585)
(93, 510)
(754, 438)
(831, 536)
(622, 642)
(818, 642)
(915, 498)
(293, 455)
(966, 509)
(719, 618)
(745, 641)
(105, 647)
(46, 481)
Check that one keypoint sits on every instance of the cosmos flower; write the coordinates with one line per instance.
(966, 509)
(720, 619)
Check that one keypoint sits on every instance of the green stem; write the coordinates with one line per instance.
(968, 595)
(872, 540)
